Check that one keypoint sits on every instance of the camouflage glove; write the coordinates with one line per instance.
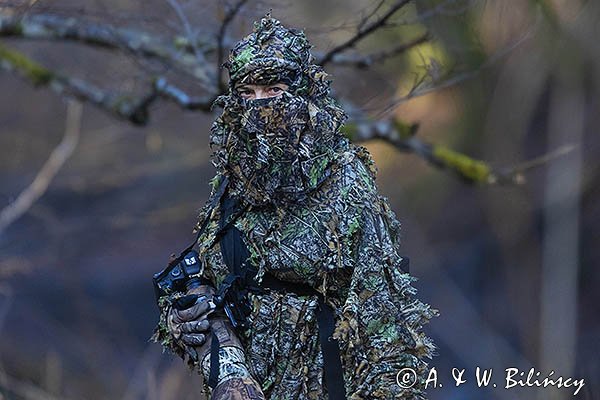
(187, 319)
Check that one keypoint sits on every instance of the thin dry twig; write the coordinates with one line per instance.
(366, 19)
(24, 390)
(434, 79)
(362, 33)
(518, 171)
(366, 61)
(229, 16)
(187, 27)
(57, 158)
(6, 297)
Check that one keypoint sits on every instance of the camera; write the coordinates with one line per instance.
(178, 276)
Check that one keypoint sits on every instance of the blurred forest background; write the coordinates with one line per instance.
(512, 266)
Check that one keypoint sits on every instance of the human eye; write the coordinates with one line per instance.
(276, 89)
(245, 93)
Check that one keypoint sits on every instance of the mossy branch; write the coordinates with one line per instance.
(29, 69)
(403, 137)
(142, 44)
(122, 105)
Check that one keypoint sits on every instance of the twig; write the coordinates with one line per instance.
(436, 78)
(187, 29)
(368, 60)
(172, 92)
(438, 9)
(82, 11)
(24, 390)
(518, 171)
(45, 176)
(229, 16)
(6, 297)
(362, 33)
(373, 12)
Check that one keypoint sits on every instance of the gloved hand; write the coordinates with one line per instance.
(188, 317)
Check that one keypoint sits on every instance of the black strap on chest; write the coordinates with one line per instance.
(234, 251)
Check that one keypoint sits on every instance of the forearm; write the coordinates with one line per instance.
(238, 389)
(230, 378)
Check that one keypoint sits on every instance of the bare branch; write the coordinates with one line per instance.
(402, 136)
(437, 10)
(6, 299)
(44, 177)
(435, 79)
(183, 99)
(520, 169)
(366, 61)
(24, 390)
(134, 109)
(131, 108)
(187, 29)
(50, 27)
(81, 11)
(362, 33)
(368, 17)
(229, 16)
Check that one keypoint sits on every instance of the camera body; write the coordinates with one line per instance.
(181, 276)
(178, 276)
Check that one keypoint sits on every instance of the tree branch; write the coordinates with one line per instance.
(24, 390)
(50, 27)
(435, 79)
(229, 16)
(374, 11)
(134, 109)
(180, 53)
(363, 32)
(184, 100)
(402, 136)
(44, 177)
(366, 61)
(131, 108)
(188, 30)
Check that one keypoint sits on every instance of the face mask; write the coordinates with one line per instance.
(273, 128)
(275, 149)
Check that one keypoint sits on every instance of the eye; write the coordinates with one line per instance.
(276, 89)
(245, 92)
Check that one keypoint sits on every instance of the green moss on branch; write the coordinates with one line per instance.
(471, 169)
(26, 66)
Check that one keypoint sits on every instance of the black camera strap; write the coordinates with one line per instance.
(211, 204)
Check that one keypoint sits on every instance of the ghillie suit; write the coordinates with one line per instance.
(305, 203)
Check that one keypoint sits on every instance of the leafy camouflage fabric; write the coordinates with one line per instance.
(313, 216)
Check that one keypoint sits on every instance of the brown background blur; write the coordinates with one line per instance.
(512, 269)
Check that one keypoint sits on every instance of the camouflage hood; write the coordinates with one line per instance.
(278, 149)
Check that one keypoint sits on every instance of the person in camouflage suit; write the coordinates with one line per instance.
(304, 202)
